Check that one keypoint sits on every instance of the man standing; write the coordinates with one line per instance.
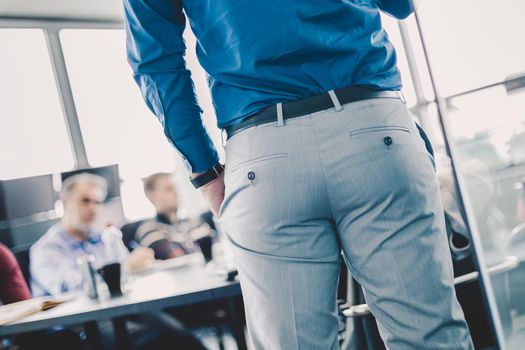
(322, 156)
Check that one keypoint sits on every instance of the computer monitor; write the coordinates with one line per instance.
(109, 173)
(26, 196)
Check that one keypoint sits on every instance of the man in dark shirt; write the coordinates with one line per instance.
(167, 234)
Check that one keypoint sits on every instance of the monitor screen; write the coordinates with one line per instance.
(109, 173)
(26, 196)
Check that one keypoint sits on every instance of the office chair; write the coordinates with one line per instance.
(22, 257)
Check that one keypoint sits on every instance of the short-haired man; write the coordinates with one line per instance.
(53, 258)
(166, 233)
(161, 191)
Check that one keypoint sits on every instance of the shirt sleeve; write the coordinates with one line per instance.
(399, 9)
(54, 272)
(156, 49)
(13, 286)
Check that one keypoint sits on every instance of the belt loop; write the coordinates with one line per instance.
(402, 97)
(335, 101)
(224, 137)
(280, 116)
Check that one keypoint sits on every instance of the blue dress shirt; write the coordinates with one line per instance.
(53, 260)
(256, 53)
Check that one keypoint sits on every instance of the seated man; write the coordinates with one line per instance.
(167, 234)
(53, 258)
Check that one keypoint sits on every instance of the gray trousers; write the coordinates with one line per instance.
(358, 180)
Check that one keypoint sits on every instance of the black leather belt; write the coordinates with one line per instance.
(311, 104)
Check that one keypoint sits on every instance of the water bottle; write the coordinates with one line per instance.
(115, 249)
(87, 270)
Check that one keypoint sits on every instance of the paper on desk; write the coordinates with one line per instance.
(16, 311)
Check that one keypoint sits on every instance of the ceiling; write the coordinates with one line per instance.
(95, 10)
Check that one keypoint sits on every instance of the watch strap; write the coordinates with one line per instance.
(208, 176)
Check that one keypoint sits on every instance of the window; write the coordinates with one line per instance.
(492, 118)
(473, 43)
(116, 124)
(487, 129)
(33, 136)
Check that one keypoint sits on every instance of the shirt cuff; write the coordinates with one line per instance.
(197, 152)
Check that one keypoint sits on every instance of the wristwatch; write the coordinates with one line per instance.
(208, 176)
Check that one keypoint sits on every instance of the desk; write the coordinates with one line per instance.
(153, 291)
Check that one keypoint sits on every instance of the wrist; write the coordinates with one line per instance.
(211, 185)
(201, 179)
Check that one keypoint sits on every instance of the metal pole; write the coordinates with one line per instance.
(412, 63)
(59, 23)
(66, 98)
(421, 108)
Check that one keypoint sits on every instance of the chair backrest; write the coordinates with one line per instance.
(22, 256)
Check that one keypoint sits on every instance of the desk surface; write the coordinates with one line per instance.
(148, 292)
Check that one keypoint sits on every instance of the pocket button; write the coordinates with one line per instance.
(388, 141)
